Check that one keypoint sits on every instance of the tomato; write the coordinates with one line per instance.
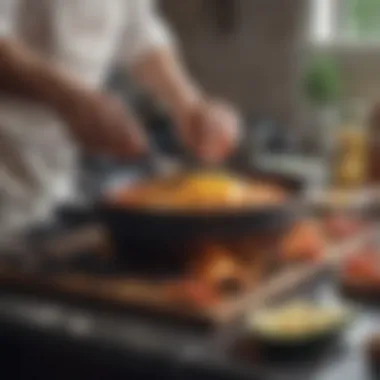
(359, 266)
(305, 241)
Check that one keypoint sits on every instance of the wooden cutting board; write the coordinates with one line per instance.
(156, 298)
(153, 298)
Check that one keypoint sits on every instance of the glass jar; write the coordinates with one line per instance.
(350, 159)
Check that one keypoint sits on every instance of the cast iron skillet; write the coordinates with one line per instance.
(152, 242)
(132, 224)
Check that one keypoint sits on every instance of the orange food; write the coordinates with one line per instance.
(199, 191)
(217, 267)
(362, 267)
(192, 293)
(305, 241)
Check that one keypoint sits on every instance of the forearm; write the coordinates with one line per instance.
(25, 74)
(208, 128)
(161, 72)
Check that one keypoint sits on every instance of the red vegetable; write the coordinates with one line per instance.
(305, 241)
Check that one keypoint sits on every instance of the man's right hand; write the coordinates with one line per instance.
(102, 124)
(97, 121)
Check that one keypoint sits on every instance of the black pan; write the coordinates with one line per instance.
(164, 238)
(133, 229)
(161, 224)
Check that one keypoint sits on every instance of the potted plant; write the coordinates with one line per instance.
(322, 88)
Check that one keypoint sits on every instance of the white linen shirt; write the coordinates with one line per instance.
(37, 158)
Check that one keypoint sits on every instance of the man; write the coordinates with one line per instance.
(54, 58)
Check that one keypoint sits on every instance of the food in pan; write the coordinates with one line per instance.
(215, 272)
(304, 242)
(199, 191)
(218, 268)
(297, 321)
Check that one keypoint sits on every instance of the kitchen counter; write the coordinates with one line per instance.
(132, 345)
(139, 346)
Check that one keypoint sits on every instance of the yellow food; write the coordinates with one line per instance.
(297, 320)
(203, 190)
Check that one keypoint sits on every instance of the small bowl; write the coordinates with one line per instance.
(288, 346)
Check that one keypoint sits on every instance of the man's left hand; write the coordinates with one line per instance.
(210, 130)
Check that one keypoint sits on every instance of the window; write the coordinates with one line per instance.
(352, 21)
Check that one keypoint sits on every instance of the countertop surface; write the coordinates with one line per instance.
(182, 349)
(186, 353)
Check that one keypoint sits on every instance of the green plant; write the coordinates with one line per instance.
(322, 81)
(364, 16)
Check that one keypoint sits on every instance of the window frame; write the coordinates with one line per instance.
(325, 31)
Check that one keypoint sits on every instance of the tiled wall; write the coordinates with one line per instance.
(257, 66)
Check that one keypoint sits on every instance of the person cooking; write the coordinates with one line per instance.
(54, 58)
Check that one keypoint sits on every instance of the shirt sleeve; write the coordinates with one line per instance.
(145, 31)
(87, 35)
(8, 12)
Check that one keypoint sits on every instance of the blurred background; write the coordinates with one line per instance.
(300, 71)
(305, 75)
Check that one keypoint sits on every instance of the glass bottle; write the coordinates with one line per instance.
(350, 168)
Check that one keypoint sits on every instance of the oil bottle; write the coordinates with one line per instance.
(351, 153)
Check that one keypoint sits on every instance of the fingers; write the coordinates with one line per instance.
(198, 136)
(133, 140)
(229, 126)
(209, 143)
(125, 136)
(104, 126)
(214, 132)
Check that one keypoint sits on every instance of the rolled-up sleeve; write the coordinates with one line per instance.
(8, 11)
(145, 31)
